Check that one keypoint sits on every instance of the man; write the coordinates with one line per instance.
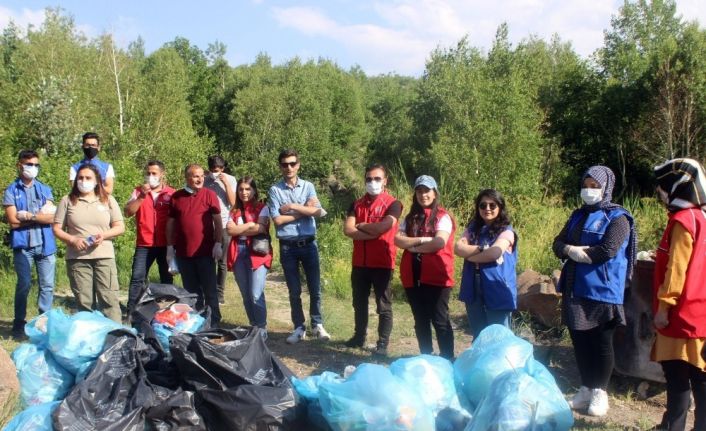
(194, 235)
(149, 203)
(224, 186)
(91, 144)
(371, 225)
(29, 208)
(293, 206)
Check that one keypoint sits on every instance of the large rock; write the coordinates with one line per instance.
(537, 295)
(9, 385)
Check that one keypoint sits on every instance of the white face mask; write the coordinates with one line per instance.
(86, 186)
(153, 180)
(591, 196)
(373, 188)
(30, 172)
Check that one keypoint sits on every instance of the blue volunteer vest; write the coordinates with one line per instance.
(98, 163)
(605, 281)
(19, 238)
(498, 282)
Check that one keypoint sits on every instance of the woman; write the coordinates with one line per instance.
(680, 293)
(249, 218)
(427, 266)
(87, 220)
(598, 244)
(489, 281)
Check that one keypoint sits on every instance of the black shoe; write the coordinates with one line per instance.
(355, 341)
(19, 334)
(380, 350)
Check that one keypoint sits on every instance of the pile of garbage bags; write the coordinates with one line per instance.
(494, 385)
(85, 372)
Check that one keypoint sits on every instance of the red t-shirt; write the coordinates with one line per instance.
(193, 222)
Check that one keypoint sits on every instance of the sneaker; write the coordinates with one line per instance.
(355, 341)
(320, 333)
(298, 335)
(599, 403)
(581, 400)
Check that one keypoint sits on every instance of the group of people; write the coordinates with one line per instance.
(216, 224)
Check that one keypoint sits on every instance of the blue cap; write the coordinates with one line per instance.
(426, 181)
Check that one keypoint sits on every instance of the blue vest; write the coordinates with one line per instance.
(605, 281)
(498, 283)
(19, 238)
(98, 163)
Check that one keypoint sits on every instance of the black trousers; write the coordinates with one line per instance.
(430, 305)
(362, 279)
(594, 355)
(682, 379)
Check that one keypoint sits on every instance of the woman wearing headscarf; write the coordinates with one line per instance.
(680, 292)
(598, 243)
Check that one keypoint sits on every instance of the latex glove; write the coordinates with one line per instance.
(661, 319)
(48, 208)
(170, 253)
(578, 254)
(24, 215)
(217, 251)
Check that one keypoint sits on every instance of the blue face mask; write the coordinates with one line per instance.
(189, 190)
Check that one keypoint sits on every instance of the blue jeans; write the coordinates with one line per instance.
(251, 283)
(479, 317)
(142, 260)
(290, 256)
(46, 266)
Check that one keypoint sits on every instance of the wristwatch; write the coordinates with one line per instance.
(34, 217)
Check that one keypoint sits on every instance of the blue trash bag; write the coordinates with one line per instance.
(496, 350)
(432, 376)
(308, 390)
(36, 330)
(523, 399)
(35, 418)
(76, 341)
(42, 379)
(163, 332)
(373, 399)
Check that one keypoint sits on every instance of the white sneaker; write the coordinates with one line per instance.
(298, 335)
(581, 399)
(599, 403)
(320, 333)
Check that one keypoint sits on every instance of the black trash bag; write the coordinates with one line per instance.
(157, 297)
(175, 410)
(116, 394)
(238, 382)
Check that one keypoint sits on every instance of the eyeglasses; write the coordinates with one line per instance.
(488, 205)
(371, 179)
(30, 164)
(288, 164)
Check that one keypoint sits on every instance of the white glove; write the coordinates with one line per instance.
(170, 253)
(217, 251)
(48, 208)
(24, 215)
(578, 254)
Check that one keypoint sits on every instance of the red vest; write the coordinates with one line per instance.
(381, 251)
(252, 212)
(437, 268)
(687, 319)
(151, 218)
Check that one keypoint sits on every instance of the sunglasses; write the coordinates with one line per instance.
(371, 179)
(488, 205)
(30, 164)
(288, 164)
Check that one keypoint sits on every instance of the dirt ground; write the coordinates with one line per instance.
(635, 404)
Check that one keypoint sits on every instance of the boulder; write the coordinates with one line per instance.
(9, 385)
(537, 295)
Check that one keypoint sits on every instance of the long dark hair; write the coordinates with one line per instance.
(416, 219)
(501, 221)
(99, 190)
(239, 204)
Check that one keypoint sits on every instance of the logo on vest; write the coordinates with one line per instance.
(597, 225)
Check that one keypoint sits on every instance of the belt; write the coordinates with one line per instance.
(301, 242)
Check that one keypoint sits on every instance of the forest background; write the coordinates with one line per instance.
(525, 119)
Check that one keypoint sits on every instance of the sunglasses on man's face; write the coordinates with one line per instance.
(371, 179)
(284, 165)
(485, 205)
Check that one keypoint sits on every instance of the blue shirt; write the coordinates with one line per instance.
(281, 194)
(32, 202)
